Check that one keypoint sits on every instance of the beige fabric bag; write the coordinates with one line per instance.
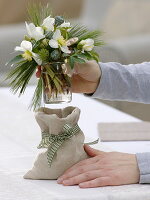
(71, 151)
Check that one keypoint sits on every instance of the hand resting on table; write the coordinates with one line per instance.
(102, 169)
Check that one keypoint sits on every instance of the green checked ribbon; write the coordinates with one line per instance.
(53, 142)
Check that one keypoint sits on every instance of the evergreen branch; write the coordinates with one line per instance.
(20, 76)
(77, 31)
(83, 33)
(95, 35)
(37, 13)
(37, 96)
(17, 59)
(44, 55)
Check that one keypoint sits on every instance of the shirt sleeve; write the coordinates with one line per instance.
(124, 82)
(127, 83)
(143, 160)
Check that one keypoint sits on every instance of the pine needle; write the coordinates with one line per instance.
(83, 33)
(37, 97)
(20, 76)
(37, 13)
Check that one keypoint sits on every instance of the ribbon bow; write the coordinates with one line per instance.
(53, 142)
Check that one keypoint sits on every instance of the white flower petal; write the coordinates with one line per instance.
(38, 34)
(34, 32)
(88, 48)
(65, 49)
(30, 28)
(48, 23)
(53, 44)
(26, 45)
(37, 58)
(82, 42)
(65, 25)
(57, 34)
(19, 49)
(89, 41)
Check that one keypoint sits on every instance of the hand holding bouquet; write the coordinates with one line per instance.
(50, 43)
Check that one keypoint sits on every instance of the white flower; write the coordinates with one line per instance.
(48, 24)
(65, 25)
(34, 32)
(87, 45)
(26, 47)
(58, 41)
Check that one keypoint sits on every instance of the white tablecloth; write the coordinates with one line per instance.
(19, 136)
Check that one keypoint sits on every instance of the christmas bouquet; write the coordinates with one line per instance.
(50, 43)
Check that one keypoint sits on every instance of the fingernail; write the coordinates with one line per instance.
(59, 180)
(81, 185)
(66, 182)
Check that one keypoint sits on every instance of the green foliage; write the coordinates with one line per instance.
(59, 20)
(94, 55)
(83, 33)
(16, 59)
(55, 55)
(27, 38)
(75, 59)
(20, 76)
(49, 35)
(77, 31)
(37, 97)
(65, 55)
(37, 13)
(95, 35)
(44, 55)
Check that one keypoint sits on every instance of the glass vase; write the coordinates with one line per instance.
(56, 84)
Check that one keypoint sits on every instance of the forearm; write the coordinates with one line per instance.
(124, 82)
(143, 160)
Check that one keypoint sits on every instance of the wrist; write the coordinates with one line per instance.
(94, 85)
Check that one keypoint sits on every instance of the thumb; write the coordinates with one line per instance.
(90, 151)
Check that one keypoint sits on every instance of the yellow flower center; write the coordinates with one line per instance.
(62, 41)
(27, 55)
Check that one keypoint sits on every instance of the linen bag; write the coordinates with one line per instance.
(61, 153)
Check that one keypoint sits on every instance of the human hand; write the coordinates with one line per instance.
(85, 76)
(102, 169)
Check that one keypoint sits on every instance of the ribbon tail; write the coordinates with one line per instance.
(92, 143)
(52, 151)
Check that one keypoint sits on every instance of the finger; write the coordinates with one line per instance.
(79, 170)
(92, 152)
(98, 182)
(82, 178)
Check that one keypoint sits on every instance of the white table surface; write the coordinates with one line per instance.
(19, 136)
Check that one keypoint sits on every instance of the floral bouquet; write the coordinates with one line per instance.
(50, 43)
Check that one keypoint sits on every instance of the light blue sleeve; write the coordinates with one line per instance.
(127, 83)
(143, 160)
(124, 82)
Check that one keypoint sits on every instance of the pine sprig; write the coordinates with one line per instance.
(83, 33)
(95, 35)
(77, 31)
(37, 97)
(37, 13)
(20, 76)
(44, 55)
